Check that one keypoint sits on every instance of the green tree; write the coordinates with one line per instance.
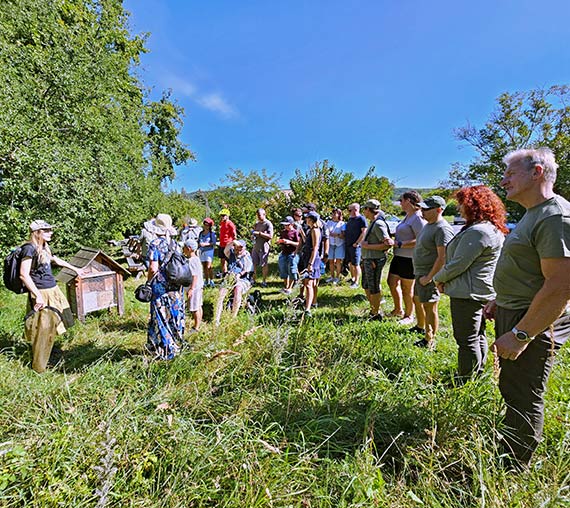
(520, 120)
(80, 145)
(327, 186)
(243, 193)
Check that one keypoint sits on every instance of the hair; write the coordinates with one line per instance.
(296, 211)
(336, 209)
(260, 211)
(42, 248)
(481, 204)
(356, 206)
(531, 157)
(413, 197)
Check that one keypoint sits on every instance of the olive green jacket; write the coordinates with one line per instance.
(470, 260)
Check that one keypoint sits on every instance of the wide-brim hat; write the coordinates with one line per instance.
(193, 222)
(161, 225)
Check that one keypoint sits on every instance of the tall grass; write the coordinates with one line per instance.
(268, 410)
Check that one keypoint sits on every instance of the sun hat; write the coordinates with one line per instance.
(163, 225)
(37, 225)
(433, 202)
(192, 222)
(240, 242)
(224, 211)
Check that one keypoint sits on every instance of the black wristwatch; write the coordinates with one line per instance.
(399, 245)
(521, 335)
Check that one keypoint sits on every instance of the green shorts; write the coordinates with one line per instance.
(426, 294)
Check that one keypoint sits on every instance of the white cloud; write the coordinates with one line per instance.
(215, 102)
(212, 101)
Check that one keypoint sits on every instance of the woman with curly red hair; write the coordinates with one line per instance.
(467, 276)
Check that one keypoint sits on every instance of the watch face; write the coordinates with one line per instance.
(522, 336)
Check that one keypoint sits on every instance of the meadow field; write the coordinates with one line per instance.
(269, 410)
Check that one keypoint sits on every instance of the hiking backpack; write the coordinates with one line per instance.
(11, 274)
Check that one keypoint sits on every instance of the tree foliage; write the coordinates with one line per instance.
(80, 145)
(327, 187)
(520, 120)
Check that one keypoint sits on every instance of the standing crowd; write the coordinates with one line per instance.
(521, 279)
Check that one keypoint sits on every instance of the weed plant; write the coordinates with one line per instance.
(268, 410)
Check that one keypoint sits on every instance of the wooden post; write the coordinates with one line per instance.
(79, 297)
(120, 294)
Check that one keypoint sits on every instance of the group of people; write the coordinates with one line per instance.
(521, 279)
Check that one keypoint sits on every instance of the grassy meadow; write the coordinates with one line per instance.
(271, 410)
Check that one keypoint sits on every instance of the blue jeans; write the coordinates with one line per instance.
(288, 266)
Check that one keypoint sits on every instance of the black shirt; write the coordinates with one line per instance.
(41, 274)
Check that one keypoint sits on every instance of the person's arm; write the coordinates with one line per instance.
(546, 306)
(65, 264)
(469, 247)
(437, 266)
(316, 234)
(26, 278)
(228, 250)
(192, 286)
(360, 238)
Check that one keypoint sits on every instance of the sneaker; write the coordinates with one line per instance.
(335, 281)
(377, 317)
(406, 321)
(307, 313)
(212, 284)
(264, 284)
(314, 305)
(329, 280)
(286, 291)
(354, 285)
(417, 329)
(423, 343)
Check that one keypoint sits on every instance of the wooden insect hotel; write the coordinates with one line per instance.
(100, 287)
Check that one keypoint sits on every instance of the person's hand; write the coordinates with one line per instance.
(441, 287)
(424, 280)
(40, 303)
(363, 244)
(508, 347)
(389, 241)
(489, 310)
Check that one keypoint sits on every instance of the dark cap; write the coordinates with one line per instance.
(287, 220)
(311, 207)
(433, 202)
(314, 216)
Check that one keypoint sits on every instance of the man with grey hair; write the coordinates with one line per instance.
(532, 282)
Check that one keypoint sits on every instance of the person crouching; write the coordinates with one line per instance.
(239, 278)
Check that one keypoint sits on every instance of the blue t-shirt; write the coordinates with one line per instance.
(353, 230)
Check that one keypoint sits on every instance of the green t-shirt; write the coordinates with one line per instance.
(430, 238)
(543, 232)
(377, 232)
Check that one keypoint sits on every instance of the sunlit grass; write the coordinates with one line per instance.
(267, 410)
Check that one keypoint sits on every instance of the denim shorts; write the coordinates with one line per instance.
(336, 251)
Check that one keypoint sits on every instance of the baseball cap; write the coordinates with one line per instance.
(40, 224)
(372, 204)
(287, 220)
(313, 216)
(433, 202)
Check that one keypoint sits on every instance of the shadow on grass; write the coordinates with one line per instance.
(82, 356)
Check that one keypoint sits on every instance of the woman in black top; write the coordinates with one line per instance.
(44, 297)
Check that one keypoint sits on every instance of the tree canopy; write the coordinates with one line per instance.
(520, 120)
(81, 144)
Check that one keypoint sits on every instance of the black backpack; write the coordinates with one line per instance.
(11, 276)
(176, 268)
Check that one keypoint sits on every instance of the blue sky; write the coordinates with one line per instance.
(281, 85)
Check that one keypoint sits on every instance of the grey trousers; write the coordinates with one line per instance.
(522, 382)
(469, 332)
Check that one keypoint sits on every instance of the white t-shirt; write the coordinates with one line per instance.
(337, 228)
